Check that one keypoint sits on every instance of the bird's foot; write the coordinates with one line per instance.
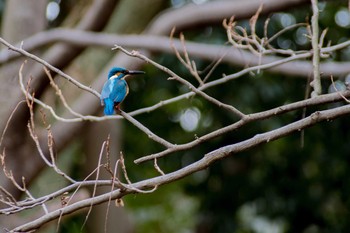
(117, 109)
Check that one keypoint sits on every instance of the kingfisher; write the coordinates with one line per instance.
(115, 89)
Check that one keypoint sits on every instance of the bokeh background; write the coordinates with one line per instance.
(299, 183)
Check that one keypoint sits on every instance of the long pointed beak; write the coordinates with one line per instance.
(136, 72)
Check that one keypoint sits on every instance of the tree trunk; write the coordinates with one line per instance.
(21, 19)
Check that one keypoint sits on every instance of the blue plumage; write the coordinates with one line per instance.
(115, 89)
(109, 106)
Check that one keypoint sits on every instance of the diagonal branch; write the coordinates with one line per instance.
(323, 99)
(49, 66)
(148, 132)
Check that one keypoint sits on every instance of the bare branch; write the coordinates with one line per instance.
(200, 50)
(314, 118)
(250, 118)
(316, 82)
(49, 66)
(183, 81)
(148, 132)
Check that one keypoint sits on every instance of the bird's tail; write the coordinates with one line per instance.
(109, 106)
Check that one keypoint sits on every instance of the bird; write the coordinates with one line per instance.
(115, 89)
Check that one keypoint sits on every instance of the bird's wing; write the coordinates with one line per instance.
(120, 90)
(106, 90)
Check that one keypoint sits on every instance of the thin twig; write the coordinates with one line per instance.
(190, 65)
(338, 91)
(9, 119)
(114, 177)
(124, 168)
(286, 29)
(155, 164)
(99, 163)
